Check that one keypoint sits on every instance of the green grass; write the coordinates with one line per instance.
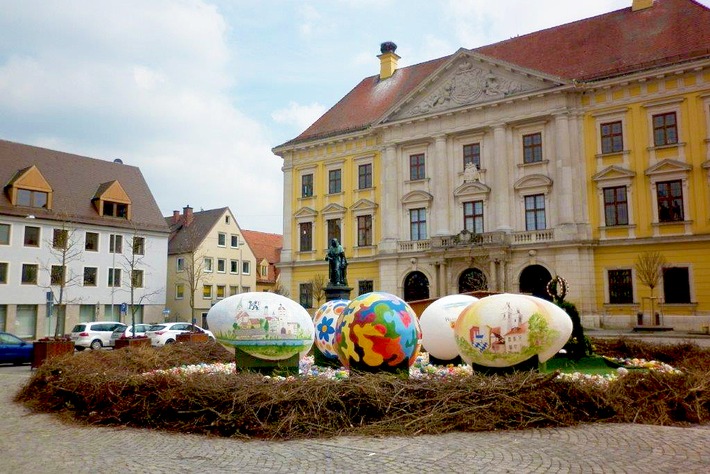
(593, 365)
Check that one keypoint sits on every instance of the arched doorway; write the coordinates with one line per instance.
(416, 287)
(472, 279)
(534, 280)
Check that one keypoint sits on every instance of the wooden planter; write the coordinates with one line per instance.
(131, 341)
(192, 337)
(44, 350)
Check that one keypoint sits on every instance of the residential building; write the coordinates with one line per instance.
(488, 168)
(208, 260)
(267, 250)
(83, 233)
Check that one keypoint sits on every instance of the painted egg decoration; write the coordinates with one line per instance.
(504, 330)
(264, 325)
(437, 323)
(325, 321)
(377, 332)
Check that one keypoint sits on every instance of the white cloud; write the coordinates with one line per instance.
(301, 116)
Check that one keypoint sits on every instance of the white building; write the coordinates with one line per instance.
(96, 219)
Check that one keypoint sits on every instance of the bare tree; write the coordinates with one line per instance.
(649, 266)
(318, 284)
(65, 248)
(279, 289)
(193, 274)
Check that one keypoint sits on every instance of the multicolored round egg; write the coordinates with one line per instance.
(506, 329)
(377, 332)
(325, 321)
(437, 323)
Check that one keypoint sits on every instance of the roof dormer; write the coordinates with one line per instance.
(29, 188)
(111, 200)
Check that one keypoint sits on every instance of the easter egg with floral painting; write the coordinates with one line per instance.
(325, 321)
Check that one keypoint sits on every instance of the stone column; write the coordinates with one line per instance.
(389, 185)
(501, 179)
(493, 270)
(440, 187)
(563, 186)
(288, 223)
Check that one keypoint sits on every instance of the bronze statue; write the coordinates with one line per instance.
(337, 264)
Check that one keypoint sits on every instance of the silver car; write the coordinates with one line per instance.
(94, 335)
(118, 333)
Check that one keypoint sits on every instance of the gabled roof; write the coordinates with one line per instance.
(267, 247)
(74, 180)
(186, 238)
(608, 45)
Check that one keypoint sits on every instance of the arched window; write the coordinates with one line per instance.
(416, 287)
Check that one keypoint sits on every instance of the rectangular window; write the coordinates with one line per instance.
(3, 274)
(615, 206)
(115, 243)
(26, 321)
(207, 292)
(91, 242)
(473, 216)
(221, 239)
(114, 277)
(234, 267)
(208, 264)
(535, 212)
(90, 274)
(60, 238)
(364, 231)
(180, 264)
(472, 155)
(246, 267)
(28, 198)
(264, 271)
(115, 209)
(532, 148)
(233, 290)
(234, 241)
(221, 265)
(31, 236)
(612, 137)
(416, 167)
(221, 291)
(137, 278)
(417, 224)
(333, 226)
(227, 220)
(307, 185)
(246, 289)
(305, 230)
(4, 234)
(57, 275)
(364, 176)
(138, 245)
(364, 286)
(665, 129)
(676, 285)
(305, 295)
(620, 287)
(335, 183)
(179, 291)
(670, 201)
(29, 274)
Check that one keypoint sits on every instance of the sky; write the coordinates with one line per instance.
(196, 93)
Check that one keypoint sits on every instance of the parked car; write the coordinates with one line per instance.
(127, 332)
(14, 350)
(94, 335)
(166, 333)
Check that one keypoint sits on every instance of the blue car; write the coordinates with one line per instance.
(14, 350)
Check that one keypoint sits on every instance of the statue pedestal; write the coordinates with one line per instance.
(337, 292)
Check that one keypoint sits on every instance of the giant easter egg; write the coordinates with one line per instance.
(325, 321)
(437, 323)
(264, 325)
(504, 330)
(377, 331)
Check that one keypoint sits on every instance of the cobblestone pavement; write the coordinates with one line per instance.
(31, 443)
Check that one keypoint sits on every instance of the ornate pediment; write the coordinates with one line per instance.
(668, 167)
(305, 213)
(613, 173)
(532, 181)
(468, 79)
(417, 196)
(333, 208)
(363, 205)
(471, 189)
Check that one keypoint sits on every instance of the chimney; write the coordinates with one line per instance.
(388, 59)
(187, 215)
(637, 5)
(176, 217)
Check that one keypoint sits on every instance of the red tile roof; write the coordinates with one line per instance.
(265, 246)
(607, 45)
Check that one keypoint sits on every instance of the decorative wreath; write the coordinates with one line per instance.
(557, 288)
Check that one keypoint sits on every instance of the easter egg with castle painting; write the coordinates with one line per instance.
(264, 325)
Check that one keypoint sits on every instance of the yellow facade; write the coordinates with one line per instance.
(645, 168)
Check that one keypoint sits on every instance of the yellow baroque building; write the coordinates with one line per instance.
(570, 151)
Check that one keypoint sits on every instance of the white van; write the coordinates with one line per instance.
(94, 335)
